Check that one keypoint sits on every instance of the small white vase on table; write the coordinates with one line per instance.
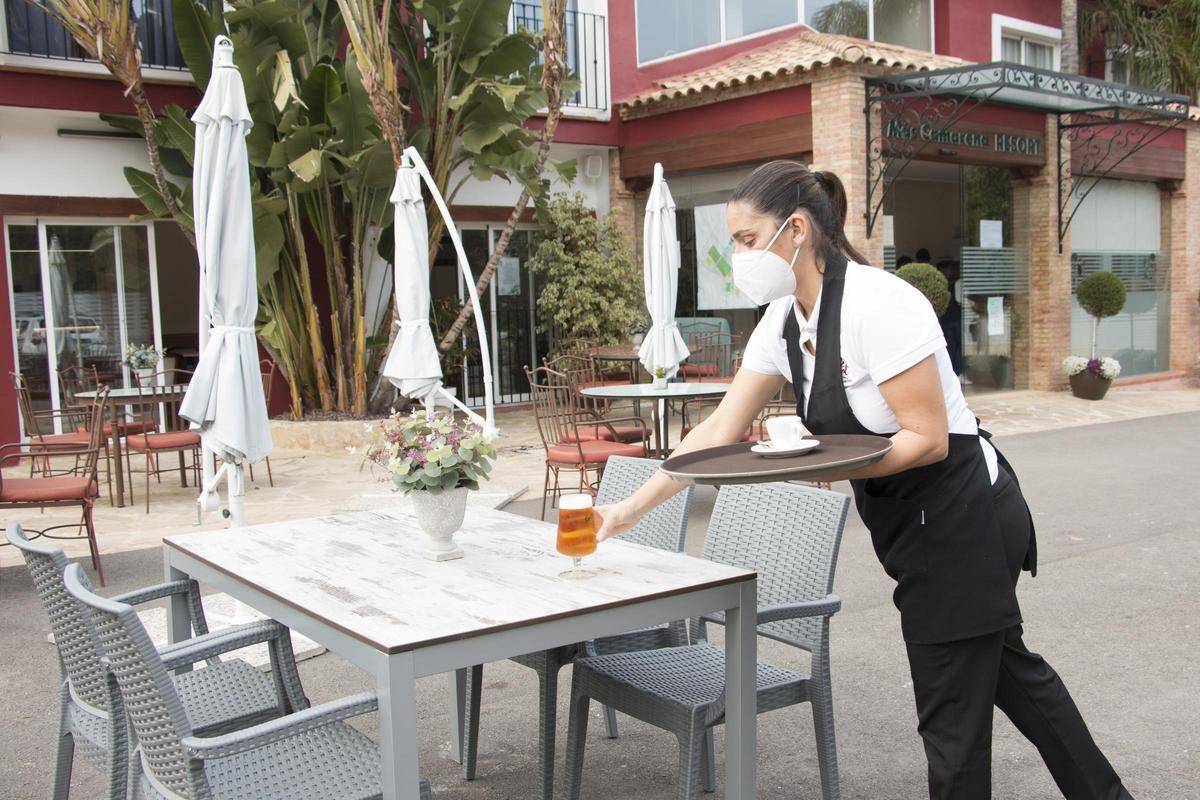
(436, 460)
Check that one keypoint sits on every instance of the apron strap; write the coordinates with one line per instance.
(795, 354)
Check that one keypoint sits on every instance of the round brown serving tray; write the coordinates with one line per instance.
(734, 463)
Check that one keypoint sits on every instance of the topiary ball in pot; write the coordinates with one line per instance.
(931, 283)
(1101, 294)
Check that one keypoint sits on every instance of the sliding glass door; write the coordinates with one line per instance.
(81, 291)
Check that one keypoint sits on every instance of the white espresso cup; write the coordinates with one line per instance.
(785, 432)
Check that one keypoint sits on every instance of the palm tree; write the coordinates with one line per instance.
(1158, 43)
(1069, 57)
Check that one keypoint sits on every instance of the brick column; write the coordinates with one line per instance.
(1181, 241)
(1035, 240)
(839, 130)
(621, 203)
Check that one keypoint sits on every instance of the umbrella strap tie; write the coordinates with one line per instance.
(233, 329)
(412, 323)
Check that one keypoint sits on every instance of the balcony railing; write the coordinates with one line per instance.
(587, 52)
(32, 32)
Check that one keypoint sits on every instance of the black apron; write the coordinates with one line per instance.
(934, 527)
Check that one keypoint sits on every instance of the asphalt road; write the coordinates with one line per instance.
(1113, 609)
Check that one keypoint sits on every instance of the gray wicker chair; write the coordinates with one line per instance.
(790, 535)
(664, 528)
(310, 754)
(222, 696)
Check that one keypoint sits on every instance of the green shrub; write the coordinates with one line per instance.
(1101, 294)
(930, 282)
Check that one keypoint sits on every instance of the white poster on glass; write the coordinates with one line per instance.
(991, 233)
(714, 265)
(995, 313)
(508, 276)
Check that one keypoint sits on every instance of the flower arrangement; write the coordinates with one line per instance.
(430, 454)
(660, 373)
(142, 356)
(1107, 368)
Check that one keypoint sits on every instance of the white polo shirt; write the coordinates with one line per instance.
(888, 326)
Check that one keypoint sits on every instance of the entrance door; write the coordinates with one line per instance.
(81, 292)
(509, 312)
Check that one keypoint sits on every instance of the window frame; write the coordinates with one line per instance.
(1005, 27)
(800, 23)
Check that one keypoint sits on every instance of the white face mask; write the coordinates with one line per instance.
(762, 275)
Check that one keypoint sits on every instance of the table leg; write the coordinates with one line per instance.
(664, 421)
(458, 699)
(179, 621)
(741, 712)
(114, 417)
(654, 413)
(398, 727)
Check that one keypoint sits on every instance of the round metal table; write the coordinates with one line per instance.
(647, 391)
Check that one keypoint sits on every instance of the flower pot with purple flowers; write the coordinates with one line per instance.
(1101, 294)
(436, 460)
(1090, 377)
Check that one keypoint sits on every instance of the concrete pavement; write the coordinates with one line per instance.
(1113, 609)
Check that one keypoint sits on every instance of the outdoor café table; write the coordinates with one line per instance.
(170, 393)
(646, 391)
(358, 585)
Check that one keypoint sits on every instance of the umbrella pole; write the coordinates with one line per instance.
(235, 483)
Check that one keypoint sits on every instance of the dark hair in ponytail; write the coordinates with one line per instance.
(780, 188)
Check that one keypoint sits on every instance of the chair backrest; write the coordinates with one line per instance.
(154, 397)
(553, 405)
(691, 327)
(75, 379)
(715, 349)
(29, 418)
(790, 535)
(78, 645)
(151, 701)
(665, 526)
(266, 368)
(95, 419)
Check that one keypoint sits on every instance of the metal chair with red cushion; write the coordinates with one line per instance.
(162, 431)
(566, 433)
(712, 358)
(266, 369)
(74, 482)
(581, 373)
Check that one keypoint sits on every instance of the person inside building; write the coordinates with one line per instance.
(923, 256)
(865, 354)
(951, 319)
(903, 261)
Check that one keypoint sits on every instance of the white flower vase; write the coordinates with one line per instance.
(659, 384)
(440, 516)
(145, 375)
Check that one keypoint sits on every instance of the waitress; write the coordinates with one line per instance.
(865, 354)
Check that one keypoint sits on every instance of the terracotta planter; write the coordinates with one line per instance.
(1087, 386)
(441, 515)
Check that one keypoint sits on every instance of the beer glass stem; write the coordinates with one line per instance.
(576, 565)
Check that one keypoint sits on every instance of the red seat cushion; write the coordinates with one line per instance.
(175, 440)
(46, 490)
(125, 428)
(61, 439)
(594, 452)
(625, 433)
(698, 370)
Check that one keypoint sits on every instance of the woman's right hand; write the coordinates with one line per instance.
(614, 520)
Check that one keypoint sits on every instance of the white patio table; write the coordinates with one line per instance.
(358, 585)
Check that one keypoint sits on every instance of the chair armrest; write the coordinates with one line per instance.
(825, 607)
(207, 645)
(155, 592)
(276, 730)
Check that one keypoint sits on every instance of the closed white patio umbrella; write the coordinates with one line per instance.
(663, 346)
(224, 401)
(412, 364)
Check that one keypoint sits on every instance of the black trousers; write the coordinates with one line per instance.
(957, 683)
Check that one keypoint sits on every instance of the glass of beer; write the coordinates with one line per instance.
(576, 532)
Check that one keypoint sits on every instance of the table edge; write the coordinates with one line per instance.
(747, 576)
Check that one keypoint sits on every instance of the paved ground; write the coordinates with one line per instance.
(1113, 608)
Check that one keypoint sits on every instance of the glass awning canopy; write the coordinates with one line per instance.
(1107, 122)
(1031, 88)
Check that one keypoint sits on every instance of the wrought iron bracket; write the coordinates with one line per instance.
(1104, 138)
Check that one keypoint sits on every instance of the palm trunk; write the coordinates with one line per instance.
(146, 115)
(1069, 55)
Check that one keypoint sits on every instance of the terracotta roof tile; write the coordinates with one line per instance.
(809, 50)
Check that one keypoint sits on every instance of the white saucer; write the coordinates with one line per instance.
(770, 451)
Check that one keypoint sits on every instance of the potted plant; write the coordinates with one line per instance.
(142, 359)
(930, 282)
(660, 378)
(1101, 294)
(436, 460)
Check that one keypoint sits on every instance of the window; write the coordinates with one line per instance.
(908, 23)
(1123, 66)
(667, 28)
(1027, 43)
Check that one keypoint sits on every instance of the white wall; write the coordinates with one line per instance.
(1117, 215)
(35, 160)
(499, 192)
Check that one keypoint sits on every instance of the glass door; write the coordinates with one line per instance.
(81, 292)
(509, 312)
